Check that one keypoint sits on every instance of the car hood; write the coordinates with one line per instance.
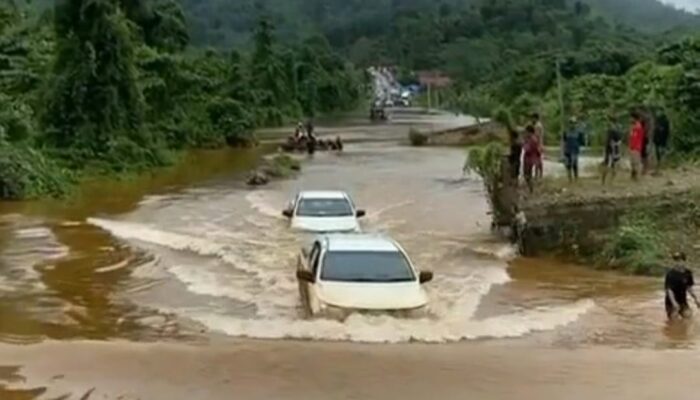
(373, 296)
(326, 224)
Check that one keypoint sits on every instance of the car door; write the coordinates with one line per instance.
(292, 206)
(315, 265)
(305, 288)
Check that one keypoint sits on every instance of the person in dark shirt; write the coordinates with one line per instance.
(531, 155)
(309, 127)
(516, 150)
(311, 143)
(338, 143)
(613, 144)
(571, 141)
(662, 132)
(678, 285)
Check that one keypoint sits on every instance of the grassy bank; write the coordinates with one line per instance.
(630, 226)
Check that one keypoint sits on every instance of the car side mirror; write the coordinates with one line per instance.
(425, 277)
(360, 213)
(288, 213)
(305, 276)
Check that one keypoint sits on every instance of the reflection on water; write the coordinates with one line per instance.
(60, 277)
(190, 252)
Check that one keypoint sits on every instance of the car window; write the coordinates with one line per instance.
(324, 208)
(366, 266)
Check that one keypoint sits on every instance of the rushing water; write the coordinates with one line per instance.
(192, 254)
(216, 257)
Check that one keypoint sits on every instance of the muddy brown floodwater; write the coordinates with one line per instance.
(180, 285)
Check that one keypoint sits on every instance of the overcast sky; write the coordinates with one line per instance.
(691, 5)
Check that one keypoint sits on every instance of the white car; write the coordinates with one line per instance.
(323, 211)
(342, 274)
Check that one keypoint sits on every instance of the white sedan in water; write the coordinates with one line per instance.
(323, 211)
(342, 274)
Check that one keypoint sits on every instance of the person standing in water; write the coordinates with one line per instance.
(678, 285)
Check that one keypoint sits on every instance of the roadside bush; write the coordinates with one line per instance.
(282, 166)
(486, 161)
(417, 138)
(635, 246)
(26, 173)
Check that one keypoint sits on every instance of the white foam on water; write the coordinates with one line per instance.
(28, 248)
(384, 329)
(200, 279)
(259, 274)
(262, 201)
(33, 233)
(6, 285)
(152, 199)
(172, 240)
(374, 216)
(268, 282)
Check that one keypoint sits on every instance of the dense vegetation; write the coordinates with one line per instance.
(364, 24)
(107, 85)
(500, 52)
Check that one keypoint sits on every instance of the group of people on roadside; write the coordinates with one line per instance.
(304, 138)
(646, 129)
(528, 153)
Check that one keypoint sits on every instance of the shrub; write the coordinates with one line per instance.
(417, 138)
(635, 246)
(282, 166)
(26, 173)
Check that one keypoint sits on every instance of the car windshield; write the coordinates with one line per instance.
(366, 266)
(324, 208)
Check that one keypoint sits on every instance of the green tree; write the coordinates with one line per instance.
(94, 104)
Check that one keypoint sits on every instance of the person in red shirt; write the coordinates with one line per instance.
(636, 144)
(532, 154)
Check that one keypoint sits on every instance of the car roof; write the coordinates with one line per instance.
(359, 242)
(323, 194)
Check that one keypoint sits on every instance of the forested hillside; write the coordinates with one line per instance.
(645, 15)
(117, 85)
(226, 22)
(106, 86)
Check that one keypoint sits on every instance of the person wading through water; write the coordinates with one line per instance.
(678, 285)
(613, 144)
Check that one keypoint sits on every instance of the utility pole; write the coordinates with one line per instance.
(561, 94)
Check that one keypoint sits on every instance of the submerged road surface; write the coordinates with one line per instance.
(194, 260)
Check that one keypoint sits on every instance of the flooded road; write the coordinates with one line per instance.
(193, 259)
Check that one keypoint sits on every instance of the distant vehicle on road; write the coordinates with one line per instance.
(344, 274)
(323, 211)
